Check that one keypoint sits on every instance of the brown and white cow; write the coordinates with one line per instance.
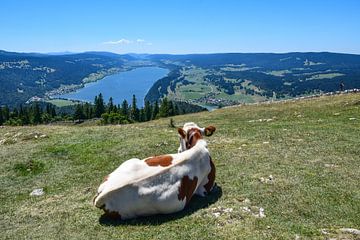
(161, 184)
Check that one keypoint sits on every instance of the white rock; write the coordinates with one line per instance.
(350, 230)
(261, 213)
(216, 214)
(37, 192)
(246, 209)
(228, 210)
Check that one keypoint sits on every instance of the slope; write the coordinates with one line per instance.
(299, 161)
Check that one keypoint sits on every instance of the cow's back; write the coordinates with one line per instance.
(158, 189)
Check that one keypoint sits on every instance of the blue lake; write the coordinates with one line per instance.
(120, 86)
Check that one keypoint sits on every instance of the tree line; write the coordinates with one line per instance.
(108, 113)
(123, 113)
(29, 115)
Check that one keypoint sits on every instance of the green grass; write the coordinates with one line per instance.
(61, 102)
(311, 148)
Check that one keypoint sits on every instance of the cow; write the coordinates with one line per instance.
(160, 184)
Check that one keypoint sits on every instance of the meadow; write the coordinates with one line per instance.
(287, 170)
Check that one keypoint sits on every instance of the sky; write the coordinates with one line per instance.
(180, 27)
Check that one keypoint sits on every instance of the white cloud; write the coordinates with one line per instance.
(122, 41)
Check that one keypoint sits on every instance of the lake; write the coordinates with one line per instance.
(120, 86)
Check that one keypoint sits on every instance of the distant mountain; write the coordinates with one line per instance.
(60, 53)
(25, 75)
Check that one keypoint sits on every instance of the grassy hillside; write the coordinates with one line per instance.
(311, 149)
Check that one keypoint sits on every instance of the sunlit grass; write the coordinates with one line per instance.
(311, 149)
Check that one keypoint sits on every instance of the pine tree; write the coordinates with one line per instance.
(53, 112)
(134, 112)
(155, 111)
(164, 108)
(142, 117)
(36, 114)
(125, 109)
(176, 109)
(1, 116)
(6, 113)
(99, 105)
(171, 109)
(14, 114)
(87, 111)
(48, 109)
(147, 111)
(79, 112)
(110, 105)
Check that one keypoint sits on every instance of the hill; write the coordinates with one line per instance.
(232, 78)
(299, 161)
(209, 80)
(26, 75)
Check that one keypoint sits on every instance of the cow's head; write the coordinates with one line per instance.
(191, 133)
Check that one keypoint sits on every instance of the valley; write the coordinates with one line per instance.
(211, 80)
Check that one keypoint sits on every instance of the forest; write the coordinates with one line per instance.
(107, 113)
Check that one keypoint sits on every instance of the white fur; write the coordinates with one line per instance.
(136, 189)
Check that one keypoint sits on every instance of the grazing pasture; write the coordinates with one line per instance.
(284, 171)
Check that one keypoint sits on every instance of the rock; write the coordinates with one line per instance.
(352, 118)
(17, 134)
(7, 141)
(330, 165)
(336, 114)
(324, 231)
(266, 142)
(269, 179)
(37, 192)
(220, 210)
(350, 230)
(216, 214)
(261, 213)
(246, 209)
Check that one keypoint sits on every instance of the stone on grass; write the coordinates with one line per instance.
(37, 192)
(350, 230)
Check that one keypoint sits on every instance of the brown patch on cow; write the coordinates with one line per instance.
(211, 177)
(110, 214)
(193, 135)
(182, 133)
(187, 188)
(209, 130)
(163, 161)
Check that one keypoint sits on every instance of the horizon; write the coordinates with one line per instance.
(131, 53)
(180, 27)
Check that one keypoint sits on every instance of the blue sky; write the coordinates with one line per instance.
(173, 26)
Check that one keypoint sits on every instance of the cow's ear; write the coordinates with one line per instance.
(209, 130)
(181, 132)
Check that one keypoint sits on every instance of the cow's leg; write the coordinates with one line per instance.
(208, 182)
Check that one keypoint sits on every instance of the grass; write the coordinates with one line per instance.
(311, 148)
(61, 102)
(325, 76)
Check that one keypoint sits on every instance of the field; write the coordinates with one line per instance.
(61, 102)
(286, 170)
